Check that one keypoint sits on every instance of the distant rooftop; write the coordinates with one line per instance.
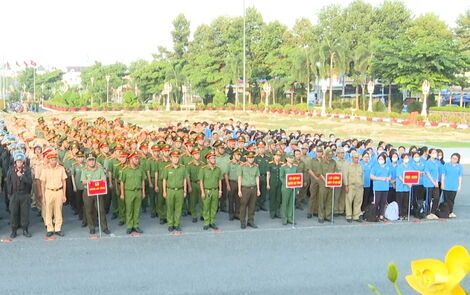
(75, 69)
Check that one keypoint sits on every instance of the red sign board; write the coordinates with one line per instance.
(294, 180)
(411, 177)
(97, 187)
(334, 180)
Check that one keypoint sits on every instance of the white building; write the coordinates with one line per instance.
(72, 75)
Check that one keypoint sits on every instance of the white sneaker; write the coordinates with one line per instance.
(430, 216)
(452, 215)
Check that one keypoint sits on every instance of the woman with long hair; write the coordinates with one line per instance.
(381, 176)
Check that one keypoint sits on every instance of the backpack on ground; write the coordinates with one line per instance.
(419, 210)
(370, 213)
(391, 212)
(443, 211)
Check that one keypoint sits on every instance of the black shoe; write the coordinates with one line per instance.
(243, 226)
(299, 207)
(290, 222)
(13, 234)
(284, 223)
(106, 231)
(214, 226)
(358, 220)
(153, 215)
(121, 223)
(194, 220)
(257, 209)
(92, 231)
(349, 220)
(201, 218)
(263, 209)
(327, 220)
(26, 233)
(129, 231)
(252, 225)
(75, 212)
(171, 228)
(178, 228)
(49, 234)
(309, 215)
(231, 218)
(138, 230)
(205, 227)
(114, 216)
(320, 220)
(184, 214)
(315, 214)
(162, 221)
(336, 215)
(236, 217)
(84, 224)
(60, 233)
(273, 216)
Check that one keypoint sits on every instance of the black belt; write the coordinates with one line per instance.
(211, 189)
(133, 190)
(250, 187)
(175, 188)
(54, 189)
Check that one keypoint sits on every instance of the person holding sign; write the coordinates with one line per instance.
(248, 190)
(132, 192)
(287, 193)
(210, 181)
(403, 190)
(328, 165)
(93, 172)
(174, 190)
(275, 185)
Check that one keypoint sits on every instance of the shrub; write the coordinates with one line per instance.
(455, 119)
(450, 109)
(275, 107)
(219, 99)
(434, 118)
(379, 107)
(415, 106)
(129, 98)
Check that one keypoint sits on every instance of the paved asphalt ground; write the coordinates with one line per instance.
(311, 259)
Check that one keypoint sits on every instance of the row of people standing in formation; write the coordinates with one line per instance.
(179, 170)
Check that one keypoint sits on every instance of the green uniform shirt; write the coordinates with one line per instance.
(132, 178)
(284, 170)
(222, 162)
(210, 176)
(328, 167)
(262, 164)
(61, 155)
(77, 175)
(233, 170)
(193, 168)
(92, 174)
(160, 165)
(274, 171)
(152, 166)
(315, 166)
(174, 176)
(248, 174)
(353, 175)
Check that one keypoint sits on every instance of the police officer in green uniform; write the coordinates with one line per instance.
(78, 186)
(340, 193)
(222, 159)
(327, 165)
(161, 202)
(152, 163)
(117, 168)
(194, 189)
(231, 178)
(262, 160)
(287, 193)
(314, 172)
(274, 185)
(210, 177)
(174, 190)
(132, 192)
(304, 165)
(248, 190)
(93, 172)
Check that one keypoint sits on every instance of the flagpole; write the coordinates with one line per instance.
(244, 56)
(34, 84)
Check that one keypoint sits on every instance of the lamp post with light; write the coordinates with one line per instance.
(267, 91)
(166, 91)
(425, 88)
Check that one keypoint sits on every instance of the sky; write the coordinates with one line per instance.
(64, 33)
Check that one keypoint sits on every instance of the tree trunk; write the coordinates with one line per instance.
(357, 97)
(363, 86)
(332, 57)
(390, 97)
(461, 97)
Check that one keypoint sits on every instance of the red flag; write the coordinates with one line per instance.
(25, 63)
(33, 63)
(18, 64)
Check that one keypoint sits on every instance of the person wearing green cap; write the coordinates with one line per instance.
(274, 185)
(194, 189)
(315, 181)
(248, 190)
(93, 172)
(210, 180)
(287, 193)
(222, 160)
(174, 190)
(78, 186)
(231, 179)
(161, 203)
(262, 160)
(303, 164)
(327, 165)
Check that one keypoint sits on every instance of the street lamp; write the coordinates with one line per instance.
(425, 88)
(107, 88)
(267, 90)
(370, 89)
(166, 90)
(42, 93)
(324, 88)
(184, 89)
(92, 82)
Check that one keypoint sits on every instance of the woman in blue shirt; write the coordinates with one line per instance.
(381, 176)
(403, 190)
(440, 158)
(393, 169)
(452, 175)
(368, 194)
(431, 184)
(417, 190)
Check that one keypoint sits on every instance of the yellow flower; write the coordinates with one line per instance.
(434, 277)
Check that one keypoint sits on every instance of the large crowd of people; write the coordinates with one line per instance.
(211, 170)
